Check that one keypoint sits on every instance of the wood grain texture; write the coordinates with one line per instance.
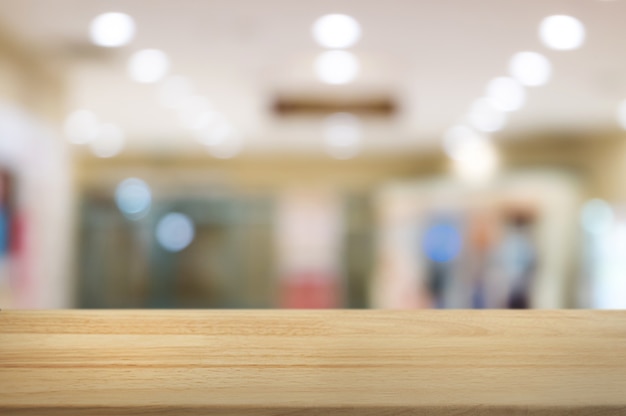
(312, 363)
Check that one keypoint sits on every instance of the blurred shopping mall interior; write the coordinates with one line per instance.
(312, 154)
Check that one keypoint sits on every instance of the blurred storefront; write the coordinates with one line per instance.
(379, 156)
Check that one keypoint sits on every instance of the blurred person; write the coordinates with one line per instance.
(482, 236)
(518, 256)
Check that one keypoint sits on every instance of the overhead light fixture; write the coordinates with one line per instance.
(463, 143)
(112, 30)
(506, 93)
(337, 67)
(473, 157)
(336, 31)
(562, 32)
(530, 68)
(148, 66)
(485, 116)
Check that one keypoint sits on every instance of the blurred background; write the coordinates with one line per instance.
(326, 154)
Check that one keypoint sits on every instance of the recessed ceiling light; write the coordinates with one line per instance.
(506, 93)
(562, 32)
(112, 29)
(336, 31)
(485, 116)
(148, 66)
(461, 142)
(530, 68)
(337, 67)
(474, 158)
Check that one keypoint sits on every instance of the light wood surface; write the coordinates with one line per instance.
(312, 363)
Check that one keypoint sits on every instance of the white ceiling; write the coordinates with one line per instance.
(435, 56)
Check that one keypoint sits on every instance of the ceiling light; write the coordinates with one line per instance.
(506, 93)
(562, 32)
(485, 116)
(148, 66)
(81, 126)
(462, 142)
(336, 67)
(530, 68)
(109, 141)
(480, 163)
(336, 31)
(112, 29)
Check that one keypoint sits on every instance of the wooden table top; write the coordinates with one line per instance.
(250, 362)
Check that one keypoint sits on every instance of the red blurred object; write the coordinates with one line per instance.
(310, 291)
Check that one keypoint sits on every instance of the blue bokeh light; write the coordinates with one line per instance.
(442, 241)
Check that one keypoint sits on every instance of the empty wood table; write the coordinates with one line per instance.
(273, 362)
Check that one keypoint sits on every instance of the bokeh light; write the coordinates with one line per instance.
(217, 132)
(336, 31)
(337, 67)
(479, 163)
(109, 141)
(442, 242)
(196, 112)
(530, 68)
(462, 142)
(174, 90)
(133, 198)
(175, 231)
(485, 116)
(562, 32)
(81, 126)
(148, 66)
(112, 30)
(506, 94)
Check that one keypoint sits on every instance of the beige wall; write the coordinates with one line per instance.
(597, 160)
(30, 81)
(31, 98)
